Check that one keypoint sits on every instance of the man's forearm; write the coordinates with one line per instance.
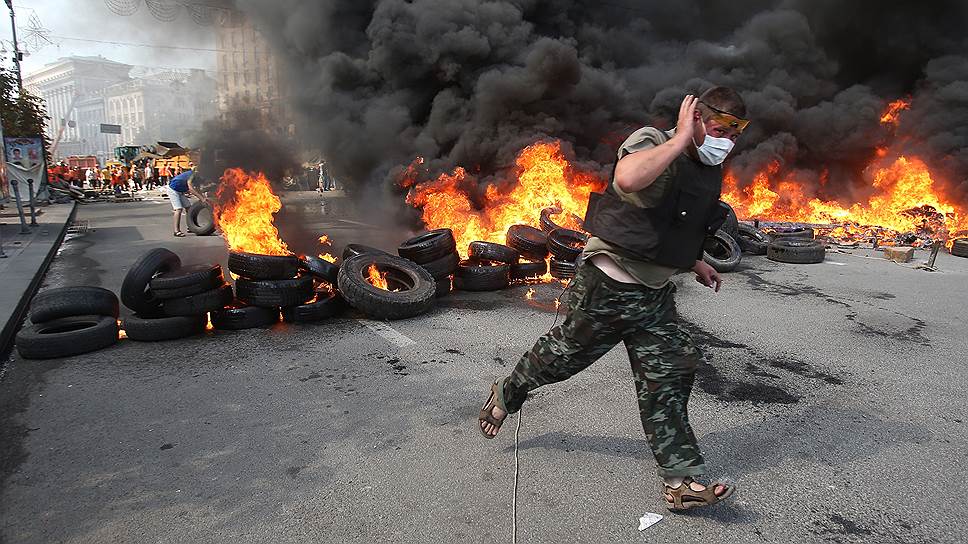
(637, 171)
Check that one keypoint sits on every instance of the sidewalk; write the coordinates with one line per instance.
(28, 256)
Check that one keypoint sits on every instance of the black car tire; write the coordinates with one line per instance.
(415, 298)
(201, 303)
(71, 301)
(800, 233)
(209, 275)
(326, 304)
(480, 275)
(490, 251)
(142, 329)
(722, 252)
(444, 266)
(524, 270)
(239, 316)
(752, 240)
(547, 223)
(562, 270)
(429, 246)
(320, 268)
(135, 293)
(566, 244)
(200, 219)
(796, 251)
(959, 248)
(353, 250)
(67, 336)
(529, 241)
(182, 292)
(444, 286)
(275, 293)
(731, 225)
(263, 267)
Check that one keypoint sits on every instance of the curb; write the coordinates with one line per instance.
(11, 327)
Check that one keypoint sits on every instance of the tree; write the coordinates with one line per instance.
(22, 114)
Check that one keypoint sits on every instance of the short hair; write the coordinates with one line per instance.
(725, 99)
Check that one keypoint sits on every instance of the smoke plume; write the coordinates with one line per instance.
(470, 82)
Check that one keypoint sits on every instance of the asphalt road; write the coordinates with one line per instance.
(834, 395)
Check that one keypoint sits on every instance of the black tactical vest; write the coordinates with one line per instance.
(672, 233)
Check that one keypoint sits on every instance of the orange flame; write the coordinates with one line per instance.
(544, 178)
(529, 295)
(906, 200)
(244, 213)
(377, 278)
(327, 257)
(892, 115)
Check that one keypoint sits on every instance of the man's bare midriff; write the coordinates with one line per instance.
(612, 269)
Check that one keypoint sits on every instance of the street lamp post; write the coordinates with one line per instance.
(16, 47)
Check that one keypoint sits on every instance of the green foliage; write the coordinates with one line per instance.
(22, 114)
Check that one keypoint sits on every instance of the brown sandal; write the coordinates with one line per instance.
(487, 415)
(684, 497)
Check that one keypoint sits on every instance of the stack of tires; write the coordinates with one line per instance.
(722, 250)
(170, 301)
(436, 252)
(532, 245)
(487, 267)
(265, 285)
(565, 246)
(959, 248)
(69, 321)
(795, 246)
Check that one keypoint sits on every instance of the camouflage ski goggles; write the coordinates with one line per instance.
(727, 119)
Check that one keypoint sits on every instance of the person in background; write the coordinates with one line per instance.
(178, 190)
(90, 177)
(149, 176)
(164, 174)
(135, 174)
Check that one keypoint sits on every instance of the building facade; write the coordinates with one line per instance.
(70, 88)
(249, 76)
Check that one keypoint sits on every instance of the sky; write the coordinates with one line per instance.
(92, 20)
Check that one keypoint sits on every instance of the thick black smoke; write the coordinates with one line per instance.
(469, 82)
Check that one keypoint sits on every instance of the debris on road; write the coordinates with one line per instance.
(899, 254)
(648, 520)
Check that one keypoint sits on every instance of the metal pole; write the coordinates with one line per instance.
(30, 193)
(935, 248)
(2, 254)
(16, 47)
(15, 185)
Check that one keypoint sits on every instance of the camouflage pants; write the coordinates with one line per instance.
(601, 313)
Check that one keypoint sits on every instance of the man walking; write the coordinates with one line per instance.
(648, 224)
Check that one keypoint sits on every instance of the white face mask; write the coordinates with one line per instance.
(713, 150)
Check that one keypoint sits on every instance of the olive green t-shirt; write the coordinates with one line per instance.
(645, 272)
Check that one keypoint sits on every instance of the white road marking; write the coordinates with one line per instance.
(357, 223)
(836, 263)
(388, 333)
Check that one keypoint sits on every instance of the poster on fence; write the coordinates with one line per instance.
(25, 162)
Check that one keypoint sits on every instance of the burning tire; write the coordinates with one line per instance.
(326, 304)
(430, 246)
(562, 270)
(142, 329)
(801, 233)
(415, 294)
(529, 241)
(275, 293)
(722, 252)
(200, 219)
(796, 251)
(263, 267)
(489, 251)
(525, 270)
(353, 250)
(199, 304)
(959, 248)
(480, 275)
(134, 289)
(320, 268)
(547, 223)
(200, 275)
(238, 316)
(751, 239)
(566, 244)
(67, 336)
(73, 301)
